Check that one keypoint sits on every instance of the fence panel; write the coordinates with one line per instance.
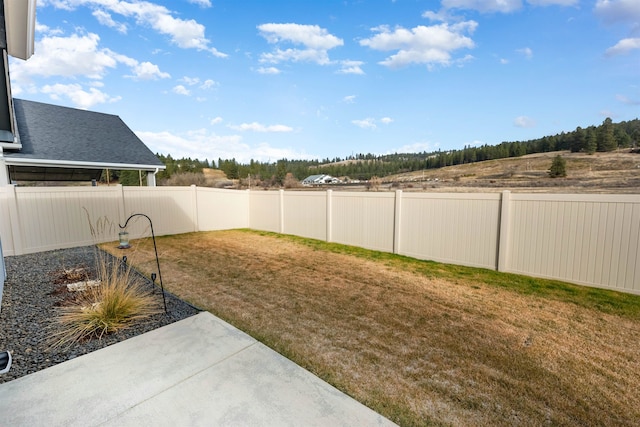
(305, 214)
(363, 219)
(57, 217)
(452, 228)
(6, 232)
(587, 239)
(264, 211)
(222, 209)
(172, 210)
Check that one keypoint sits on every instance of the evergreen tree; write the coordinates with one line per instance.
(579, 140)
(132, 178)
(591, 141)
(558, 167)
(606, 139)
(623, 140)
(281, 171)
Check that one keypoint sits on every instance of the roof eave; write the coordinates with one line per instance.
(21, 161)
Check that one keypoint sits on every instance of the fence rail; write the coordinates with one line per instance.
(586, 239)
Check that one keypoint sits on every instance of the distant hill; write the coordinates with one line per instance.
(610, 172)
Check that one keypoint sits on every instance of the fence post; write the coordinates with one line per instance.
(194, 208)
(248, 190)
(396, 222)
(503, 239)
(281, 211)
(329, 218)
(121, 205)
(14, 220)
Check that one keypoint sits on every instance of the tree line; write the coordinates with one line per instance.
(608, 136)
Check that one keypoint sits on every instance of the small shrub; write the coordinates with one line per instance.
(558, 167)
(108, 308)
(291, 181)
(374, 183)
(186, 179)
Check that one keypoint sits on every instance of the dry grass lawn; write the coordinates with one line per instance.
(422, 343)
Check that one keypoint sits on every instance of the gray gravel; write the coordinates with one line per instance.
(29, 302)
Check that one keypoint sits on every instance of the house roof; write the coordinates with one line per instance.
(314, 177)
(71, 142)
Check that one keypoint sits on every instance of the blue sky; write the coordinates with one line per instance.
(316, 79)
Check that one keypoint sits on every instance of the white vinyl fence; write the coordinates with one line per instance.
(586, 239)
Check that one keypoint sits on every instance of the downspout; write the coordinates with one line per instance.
(151, 178)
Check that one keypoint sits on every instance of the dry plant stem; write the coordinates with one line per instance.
(107, 308)
(410, 340)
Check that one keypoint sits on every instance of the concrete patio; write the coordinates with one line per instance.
(198, 371)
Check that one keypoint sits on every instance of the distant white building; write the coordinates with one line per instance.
(320, 179)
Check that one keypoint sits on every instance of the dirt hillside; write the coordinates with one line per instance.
(615, 172)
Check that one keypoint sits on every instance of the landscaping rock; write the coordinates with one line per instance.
(31, 295)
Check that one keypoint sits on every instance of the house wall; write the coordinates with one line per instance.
(585, 239)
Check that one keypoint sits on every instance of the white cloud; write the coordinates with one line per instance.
(316, 42)
(524, 122)
(202, 144)
(201, 3)
(181, 90)
(80, 97)
(350, 67)
(416, 147)
(484, 6)
(208, 84)
(627, 100)
(216, 120)
(612, 11)
(41, 28)
(349, 99)
(624, 46)
(310, 36)
(77, 56)
(526, 52)
(257, 127)
(421, 45)
(607, 113)
(504, 61)
(367, 123)
(440, 16)
(105, 19)
(190, 81)
(268, 70)
(386, 120)
(148, 71)
(66, 57)
(553, 2)
(184, 33)
(619, 12)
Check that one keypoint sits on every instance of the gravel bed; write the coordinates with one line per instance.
(32, 292)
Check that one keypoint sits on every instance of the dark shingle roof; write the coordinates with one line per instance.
(62, 134)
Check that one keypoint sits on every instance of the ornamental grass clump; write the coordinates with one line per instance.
(115, 304)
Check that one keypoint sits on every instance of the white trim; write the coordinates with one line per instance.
(20, 23)
(10, 146)
(18, 161)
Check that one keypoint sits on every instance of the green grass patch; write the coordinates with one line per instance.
(604, 300)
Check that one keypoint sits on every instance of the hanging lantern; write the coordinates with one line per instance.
(123, 236)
